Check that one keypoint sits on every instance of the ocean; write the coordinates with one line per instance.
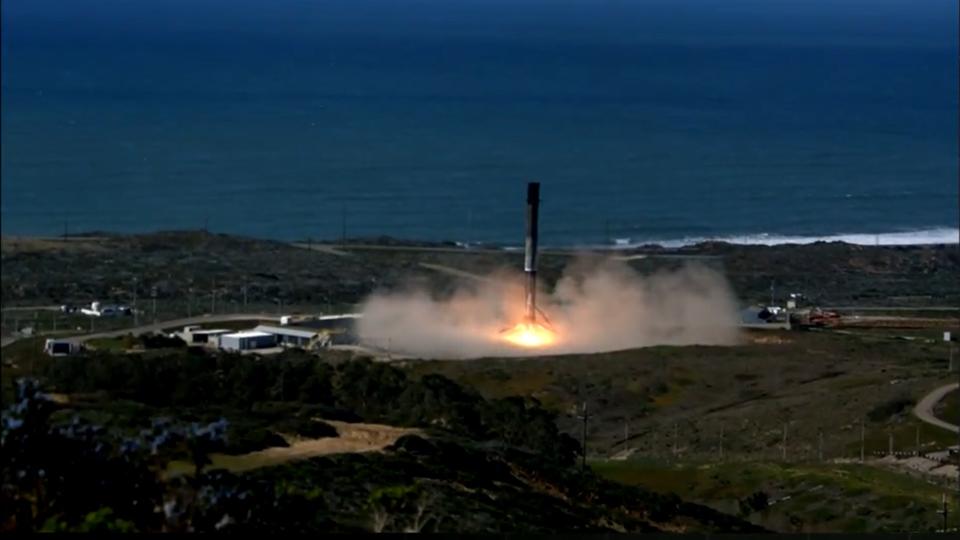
(670, 122)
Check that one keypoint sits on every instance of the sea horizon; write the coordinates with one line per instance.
(929, 237)
(653, 121)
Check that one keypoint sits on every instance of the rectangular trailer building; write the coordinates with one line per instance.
(243, 341)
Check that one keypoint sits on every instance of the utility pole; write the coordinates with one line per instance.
(676, 440)
(944, 512)
(721, 442)
(583, 445)
(626, 435)
(862, 440)
(136, 314)
(784, 448)
(820, 444)
(949, 339)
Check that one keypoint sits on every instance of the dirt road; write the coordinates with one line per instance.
(158, 327)
(352, 438)
(924, 409)
(453, 271)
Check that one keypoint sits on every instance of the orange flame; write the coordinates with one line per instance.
(530, 335)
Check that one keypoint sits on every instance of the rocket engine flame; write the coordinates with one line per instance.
(595, 306)
(530, 335)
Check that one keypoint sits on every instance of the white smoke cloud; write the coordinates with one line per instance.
(597, 305)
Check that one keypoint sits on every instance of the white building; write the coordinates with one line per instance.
(247, 340)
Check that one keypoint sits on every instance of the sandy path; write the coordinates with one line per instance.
(353, 438)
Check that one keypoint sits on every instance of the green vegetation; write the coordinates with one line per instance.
(890, 408)
(801, 497)
(877, 441)
(813, 381)
(949, 408)
(497, 452)
(130, 342)
(498, 465)
(188, 267)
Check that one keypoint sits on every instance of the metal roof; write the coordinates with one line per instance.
(247, 333)
(287, 331)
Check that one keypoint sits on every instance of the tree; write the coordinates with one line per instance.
(78, 477)
(755, 502)
(400, 508)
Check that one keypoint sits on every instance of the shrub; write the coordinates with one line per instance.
(890, 408)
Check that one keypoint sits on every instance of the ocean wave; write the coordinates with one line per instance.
(902, 238)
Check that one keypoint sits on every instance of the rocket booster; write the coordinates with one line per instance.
(530, 252)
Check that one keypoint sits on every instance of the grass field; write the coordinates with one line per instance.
(949, 408)
(807, 381)
(353, 437)
(803, 497)
(904, 438)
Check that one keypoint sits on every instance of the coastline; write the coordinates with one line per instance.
(942, 236)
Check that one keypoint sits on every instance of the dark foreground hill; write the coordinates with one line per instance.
(102, 462)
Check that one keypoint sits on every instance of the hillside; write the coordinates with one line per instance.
(187, 268)
(476, 465)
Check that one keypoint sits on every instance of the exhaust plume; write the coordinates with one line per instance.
(597, 305)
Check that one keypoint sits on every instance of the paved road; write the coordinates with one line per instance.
(924, 409)
(32, 308)
(896, 308)
(157, 327)
(325, 248)
(344, 249)
(453, 271)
